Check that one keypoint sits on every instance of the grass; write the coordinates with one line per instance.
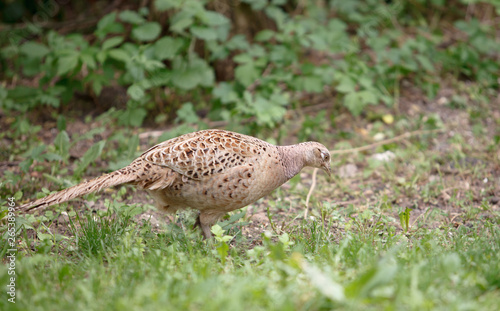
(418, 232)
(442, 268)
(371, 254)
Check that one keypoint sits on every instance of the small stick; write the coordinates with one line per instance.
(385, 141)
(363, 148)
(313, 185)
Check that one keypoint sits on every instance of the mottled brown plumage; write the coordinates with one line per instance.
(213, 171)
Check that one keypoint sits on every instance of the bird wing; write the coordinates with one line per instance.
(202, 154)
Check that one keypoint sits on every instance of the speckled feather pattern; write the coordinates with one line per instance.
(214, 171)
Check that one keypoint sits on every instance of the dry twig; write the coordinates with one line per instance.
(363, 148)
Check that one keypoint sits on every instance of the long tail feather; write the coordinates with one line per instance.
(109, 180)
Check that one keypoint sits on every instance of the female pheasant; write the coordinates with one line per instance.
(213, 171)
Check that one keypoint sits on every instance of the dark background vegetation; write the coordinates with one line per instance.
(404, 93)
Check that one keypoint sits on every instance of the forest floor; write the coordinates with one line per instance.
(419, 190)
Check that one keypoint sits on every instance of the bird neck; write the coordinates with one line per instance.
(293, 159)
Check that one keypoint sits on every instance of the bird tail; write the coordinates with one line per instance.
(115, 178)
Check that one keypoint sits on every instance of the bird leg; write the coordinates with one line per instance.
(205, 228)
(198, 222)
(205, 221)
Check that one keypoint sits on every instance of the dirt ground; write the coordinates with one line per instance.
(471, 180)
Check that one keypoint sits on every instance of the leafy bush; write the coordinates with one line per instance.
(285, 55)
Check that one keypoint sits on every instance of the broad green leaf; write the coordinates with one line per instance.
(186, 79)
(187, 114)
(181, 21)
(366, 82)
(217, 230)
(246, 73)
(163, 5)
(119, 54)
(237, 42)
(204, 33)
(264, 35)
(131, 17)
(167, 47)
(34, 49)
(211, 18)
(368, 96)
(196, 72)
(36, 152)
(225, 92)
(146, 32)
(323, 282)
(243, 58)
(346, 85)
(107, 20)
(112, 42)
(108, 25)
(133, 116)
(425, 62)
(312, 84)
(354, 103)
(88, 59)
(135, 92)
(66, 63)
(49, 100)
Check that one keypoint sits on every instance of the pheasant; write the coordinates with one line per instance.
(213, 171)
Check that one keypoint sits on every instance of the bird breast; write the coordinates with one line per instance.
(234, 188)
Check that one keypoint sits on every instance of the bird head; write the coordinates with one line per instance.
(319, 157)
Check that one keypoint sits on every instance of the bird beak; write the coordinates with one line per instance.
(326, 167)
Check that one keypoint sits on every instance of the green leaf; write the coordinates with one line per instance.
(243, 58)
(404, 219)
(34, 49)
(187, 114)
(147, 32)
(66, 63)
(225, 93)
(106, 21)
(119, 54)
(237, 42)
(204, 33)
(36, 153)
(354, 104)
(217, 230)
(186, 79)
(88, 59)
(211, 18)
(181, 21)
(346, 85)
(135, 92)
(133, 116)
(323, 282)
(312, 84)
(167, 47)
(196, 72)
(108, 25)
(163, 5)
(112, 42)
(48, 99)
(246, 73)
(264, 35)
(90, 155)
(425, 63)
(132, 17)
